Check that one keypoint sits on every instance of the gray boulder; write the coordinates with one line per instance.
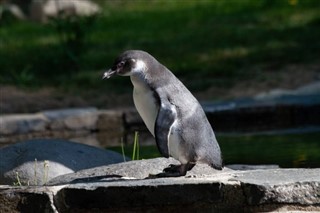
(142, 169)
(35, 162)
(139, 169)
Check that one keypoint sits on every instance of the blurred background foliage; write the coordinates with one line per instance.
(203, 42)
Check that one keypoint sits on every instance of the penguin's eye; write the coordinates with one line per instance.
(121, 64)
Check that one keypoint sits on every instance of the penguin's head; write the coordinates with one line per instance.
(128, 63)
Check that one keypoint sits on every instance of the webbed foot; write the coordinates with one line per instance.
(174, 171)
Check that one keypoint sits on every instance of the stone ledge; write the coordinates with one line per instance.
(277, 110)
(111, 188)
(112, 125)
(64, 123)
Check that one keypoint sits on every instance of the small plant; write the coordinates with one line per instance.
(136, 151)
(18, 183)
(46, 171)
(35, 171)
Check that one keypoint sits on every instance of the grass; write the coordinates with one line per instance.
(295, 150)
(135, 149)
(210, 42)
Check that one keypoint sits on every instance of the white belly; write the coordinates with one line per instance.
(174, 144)
(146, 106)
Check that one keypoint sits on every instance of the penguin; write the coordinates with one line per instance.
(171, 113)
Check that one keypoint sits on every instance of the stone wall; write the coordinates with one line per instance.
(108, 127)
(77, 124)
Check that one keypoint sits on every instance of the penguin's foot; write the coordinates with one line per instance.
(164, 174)
(174, 171)
(168, 174)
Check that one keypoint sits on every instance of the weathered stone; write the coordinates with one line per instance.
(285, 113)
(119, 188)
(20, 124)
(37, 161)
(74, 119)
(309, 89)
(140, 195)
(274, 111)
(26, 199)
(133, 121)
(110, 120)
(229, 191)
(282, 186)
(133, 169)
(111, 127)
(88, 139)
(251, 167)
(132, 117)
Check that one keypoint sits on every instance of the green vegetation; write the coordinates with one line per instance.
(294, 150)
(210, 42)
(135, 149)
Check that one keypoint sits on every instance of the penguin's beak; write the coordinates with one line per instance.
(108, 74)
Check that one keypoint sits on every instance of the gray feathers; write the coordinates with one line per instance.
(166, 116)
(170, 111)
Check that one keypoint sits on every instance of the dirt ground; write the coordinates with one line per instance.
(17, 100)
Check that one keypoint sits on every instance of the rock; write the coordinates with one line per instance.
(20, 124)
(278, 110)
(281, 186)
(73, 119)
(111, 127)
(133, 170)
(25, 199)
(251, 167)
(37, 161)
(42, 10)
(85, 125)
(132, 117)
(306, 90)
(110, 189)
(241, 191)
(110, 120)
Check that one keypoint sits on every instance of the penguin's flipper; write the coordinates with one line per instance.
(166, 116)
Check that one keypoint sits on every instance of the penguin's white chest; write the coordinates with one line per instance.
(146, 104)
